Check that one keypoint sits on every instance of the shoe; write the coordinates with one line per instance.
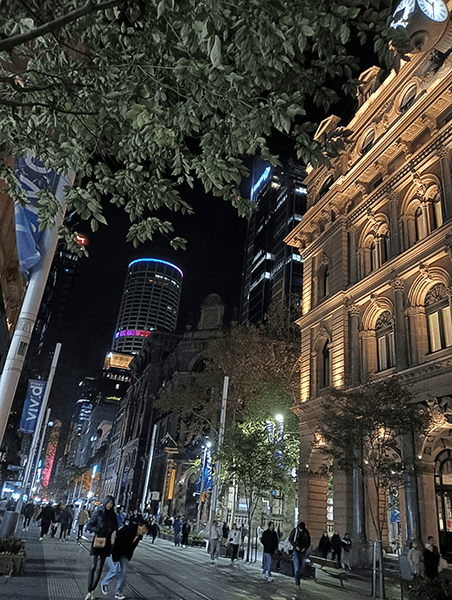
(88, 596)
(104, 589)
(120, 597)
(270, 579)
(41, 538)
(264, 576)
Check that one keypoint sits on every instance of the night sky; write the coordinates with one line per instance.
(212, 263)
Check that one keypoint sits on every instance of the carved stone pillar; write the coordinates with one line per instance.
(446, 180)
(412, 335)
(401, 354)
(315, 291)
(314, 375)
(353, 312)
(394, 227)
(353, 274)
(368, 354)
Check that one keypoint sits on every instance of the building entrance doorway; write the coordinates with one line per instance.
(443, 488)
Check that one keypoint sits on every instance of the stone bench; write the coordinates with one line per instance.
(329, 567)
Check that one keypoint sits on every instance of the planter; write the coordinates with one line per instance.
(12, 564)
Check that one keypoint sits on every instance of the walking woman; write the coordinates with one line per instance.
(104, 525)
(234, 541)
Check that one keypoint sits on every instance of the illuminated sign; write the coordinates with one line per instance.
(132, 333)
(156, 260)
(265, 175)
(114, 360)
(81, 240)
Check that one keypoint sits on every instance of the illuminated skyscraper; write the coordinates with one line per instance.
(272, 270)
(150, 301)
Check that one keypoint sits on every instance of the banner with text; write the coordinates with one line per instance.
(32, 406)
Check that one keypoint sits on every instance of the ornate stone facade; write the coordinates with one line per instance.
(377, 285)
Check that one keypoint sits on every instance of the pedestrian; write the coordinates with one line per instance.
(215, 541)
(47, 517)
(121, 516)
(346, 547)
(234, 540)
(58, 509)
(185, 531)
(28, 512)
(270, 542)
(177, 528)
(104, 525)
(324, 545)
(127, 539)
(300, 540)
(431, 559)
(225, 532)
(65, 522)
(416, 559)
(83, 517)
(336, 548)
(154, 529)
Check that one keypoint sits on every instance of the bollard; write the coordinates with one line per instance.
(9, 523)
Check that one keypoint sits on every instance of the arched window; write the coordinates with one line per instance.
(385, 341)
(325, 379)
(409, 98)
(419, 221)
(368, 142)
(374, 262)
(437, 212)
(326, 186)
(326, 282)
(437, 310)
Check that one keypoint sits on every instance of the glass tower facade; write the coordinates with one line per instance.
(272, 270)
(150, 301)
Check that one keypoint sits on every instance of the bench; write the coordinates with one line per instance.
(329, 567)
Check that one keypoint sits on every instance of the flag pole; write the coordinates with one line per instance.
(22, 334)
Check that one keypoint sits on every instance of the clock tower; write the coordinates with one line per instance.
(425, 23)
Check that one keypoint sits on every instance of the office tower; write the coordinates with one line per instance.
(272, 270)
(150, 301)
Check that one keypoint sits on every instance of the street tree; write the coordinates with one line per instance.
(363, 429)
(258, 463)
(141, 98)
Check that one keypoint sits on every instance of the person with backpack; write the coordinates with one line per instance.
(300, 539)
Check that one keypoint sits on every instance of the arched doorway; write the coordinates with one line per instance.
(443, 488)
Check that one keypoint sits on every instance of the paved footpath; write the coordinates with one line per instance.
(57, 570)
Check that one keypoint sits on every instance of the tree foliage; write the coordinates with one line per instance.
(363, 428)
(256, 463)
(139, 98)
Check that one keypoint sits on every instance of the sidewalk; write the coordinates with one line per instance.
(57, 570)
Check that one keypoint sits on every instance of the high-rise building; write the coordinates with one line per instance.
(272, 270)
(150, 301)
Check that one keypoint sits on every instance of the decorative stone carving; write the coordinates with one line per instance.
(353, 309)
(430, 123)
(398, 284)
(425, 271)
(405, 147)
(417, 180)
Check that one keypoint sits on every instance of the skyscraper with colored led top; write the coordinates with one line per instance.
(150, 301)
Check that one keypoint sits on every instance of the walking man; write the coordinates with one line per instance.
(300, 540)
(83, 517)
(270, 542)
(127, 539)
(215, 541)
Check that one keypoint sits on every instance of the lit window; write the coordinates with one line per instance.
(325, 382)
(438, 318)
(385, 341)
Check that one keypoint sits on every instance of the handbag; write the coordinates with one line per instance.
(442, 564)
(99, 542)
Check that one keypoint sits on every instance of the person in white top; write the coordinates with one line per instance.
(234, 540)
(215, 541)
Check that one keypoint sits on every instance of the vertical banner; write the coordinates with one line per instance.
(205, 472)
(32, 406)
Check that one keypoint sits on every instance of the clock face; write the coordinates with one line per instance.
(402, 12)
(435, 10)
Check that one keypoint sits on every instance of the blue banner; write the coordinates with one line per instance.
(205, 472)
(33, 177)
(32, 406)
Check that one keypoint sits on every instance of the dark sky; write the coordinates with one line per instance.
(212, 263)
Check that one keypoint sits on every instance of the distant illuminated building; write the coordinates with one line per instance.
(150, 301)
(272, 270)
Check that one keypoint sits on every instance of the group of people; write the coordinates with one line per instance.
(425, 560)
(336, 548)
(234, 537)
(51, 517)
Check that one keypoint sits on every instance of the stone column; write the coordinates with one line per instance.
(401, 355)
(446, 180)
(394, 226)
(314, 375)
(353, 274)
(412, 335)
(353, 312)
(412, 518)
(315, 291)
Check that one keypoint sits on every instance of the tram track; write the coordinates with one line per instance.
(153, 577)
